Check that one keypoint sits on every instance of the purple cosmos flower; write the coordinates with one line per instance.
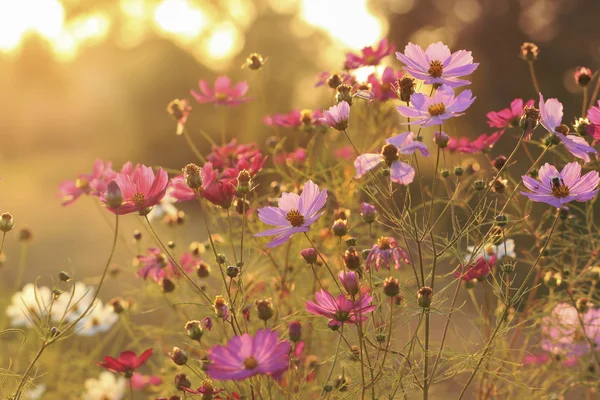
(295, 213)
(337, 116)
(385, 250)
(246, 356)
(340, 310)
(551, 113)
(369, 55)
(384, 90)
(482, 144)
(563, 334)
(223, 94)
(428, 111)
(400, 172)
(558, 189)
(436, 65)
(508, 117)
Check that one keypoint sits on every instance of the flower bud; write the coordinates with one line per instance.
(25, 235)
(242, 206)
(424, 297)
(445, 173)
(232, 271)
(499, 162)
(479, 184)
(501, 220)
(63, 276)
(350, 282)
(391, 286)
(583, 76)
(6, 222)
(192, 176)
(178, 356)
(310, 255)
(137, 235)
(406, 87)
(499, 185)
(221, 259)
(334, 81)
(529, 51)
(167, 285)
(458, 170)
(264, 309)
(343, 93)
(244, 182)
(194, 330)
(508, 267)
(182, 381)
(295, 331)
(351, 241)
(254, 62)
(529, 120)
(203, 270)
(113, 195)
(380, 337)
(441, 139)
(334, 325)
(352, 259)
(581, 126)
(368, 212)
(340, 227)
(365, 253)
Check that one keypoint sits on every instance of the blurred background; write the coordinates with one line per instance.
(87, 79)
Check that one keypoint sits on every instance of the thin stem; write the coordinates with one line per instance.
(533, 77)
(584, 103)
(595, 93)
(337, 351)
(130, 388)
(324, 262)
(426, 363)
(192, 146)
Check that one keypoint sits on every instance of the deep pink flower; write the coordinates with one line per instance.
(345, 153)
(477, 270)
(350, 281)
(89, 184)
(384, 89)
(140, 190)
(551, 113)
(480, 145)
(559, 188)
(295, 118)
(156, 266)
(127, 362)
(369, 55)
(141, 382)
(340, 310)
(436, 65)
(427, 111)
(246, 356)
(383, 252)
(207, 322)
(237, 156)
(223, 93)
(337, 116)
(294, 214)
(593, 115)
(508, 117)
(400, 172)
(323, 77)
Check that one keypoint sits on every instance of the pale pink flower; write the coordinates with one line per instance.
(223, 93)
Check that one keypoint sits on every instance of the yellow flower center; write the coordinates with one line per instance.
(559, 189)
(221, 96)
(435, 69)
(82, 183)
(296, 219)
(250, 363)
(139, 200)
(384, 243)
(371, 60)
(436, 109)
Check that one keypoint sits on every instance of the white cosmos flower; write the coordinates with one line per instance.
(36, 392)
(99, 319)
(28, 302)
(108, 386)
(73, 302)
(165, 207)
(506, 248)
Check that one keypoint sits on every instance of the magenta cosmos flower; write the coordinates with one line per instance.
(223, 94)
(385, 251)
(427, 111)
(295, 213)
(141, 189)
(436, 65)
(156, 266)
(593, 116)
(295, 119)
(400, 172)
(559, 188)
(551, 113)
(478, 269)
(89, 184)
(384, 89)
(369, 55)
(337, 116)
(340, 310)
(127, 362)
(246, 356)
(482, 144)
(508, 117)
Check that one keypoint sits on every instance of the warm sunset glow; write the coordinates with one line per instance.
(179, 17)
(17, 20)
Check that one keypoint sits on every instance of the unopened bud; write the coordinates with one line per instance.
(501, 220)
(343, 93)
(351, 241)
(178, 356)
(113, 195)
(310, 255)
(254, 62)
(63, 276)
(192, 176)
(194, 330)
(167, 285)
(203, 270)
(182, 381)
(583, 76)
(340, 227)
(445, 173)
(458, 170)
(479, 184)
(232, 271)
(295, 331)
(529, 51)
(406, 87)
(441, 139)
(264, 309)
(424, 297)
(391, 286)
(352, 259)
(244, 182)
(6, 222)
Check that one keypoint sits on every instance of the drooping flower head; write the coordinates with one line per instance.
(141, 189)
(179, 109)
(294, 213)
(385, 252)
(93, 184)
(582, 76)
(436, 65)
(223, 94)
(551, 113)
(508, 117)
(127, 362)
(369, 55)
(427, 111)
(400, 172)
(245, 356)
(480, 145)
(340, 310)
(384, 89)
(559, 188)
(337, 116)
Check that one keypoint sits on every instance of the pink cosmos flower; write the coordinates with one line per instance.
(400, 172)
(593, 116)
(559, 188)
(89, 184)
(480, 145)
(156, 266)
(383, 252)
(337, 116)
(141, 382)
(344, 153)
(140, 190)
(223, 93)
(427, 111)
(294, 119)
(246, 356)
(508, 117)
(295, 213)
(180, 110)
(323, 77)
(436, 65)
(369, 55)
(551, 113)
(340, 310)
(541, 359)
(127, 362)
(296, 157)
(207, 390)
(477, 270)
(384, 89)
(238, 156)
(563, 334)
